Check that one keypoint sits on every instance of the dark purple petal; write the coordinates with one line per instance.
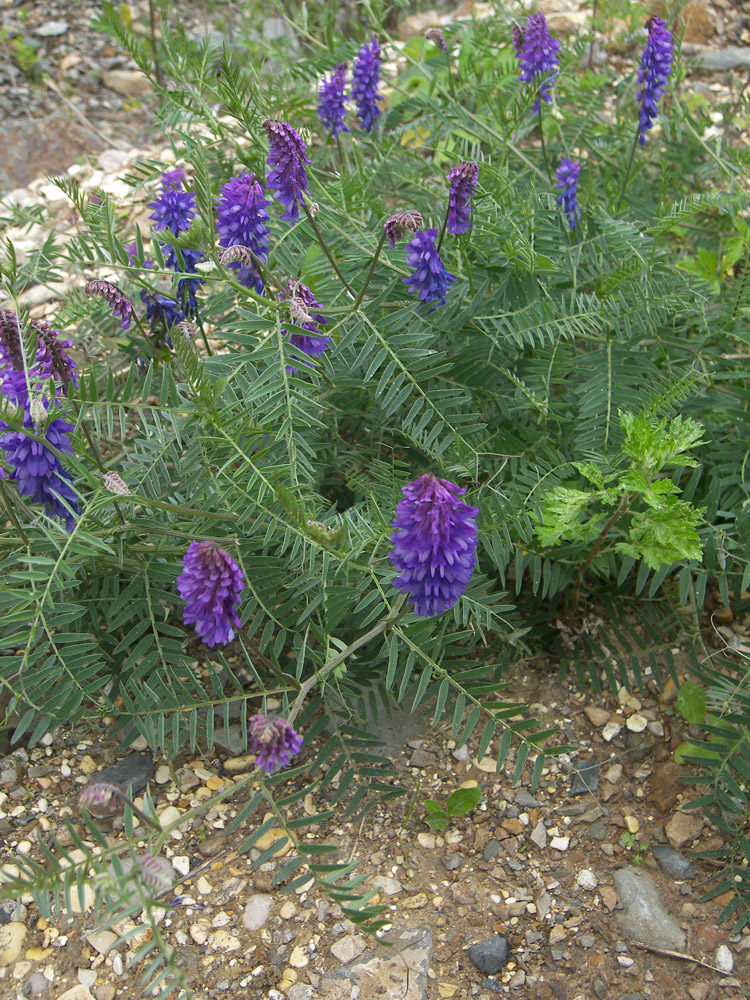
(365, 80)
(272, 740)
(434, 544)
(567, 182)
(656, 67)
(331, 97)
(287, 156)
(537, 54)
(173, 208)
(242, 220)
(210, 584)
(463, 181)
(430, 279)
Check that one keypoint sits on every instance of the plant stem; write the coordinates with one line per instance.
(627, 172)
(326, 251)
(97, 456)
(622, 508)
(152, 25)
(444, 227)
(370, 273)
(544, 145)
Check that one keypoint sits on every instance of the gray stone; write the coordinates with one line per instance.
(347, 948)
(525, 799)
(493, 984)
(134, 772)
(396, 973)
(721, 60)
(51, 29)
(491, 849)
(257, 912)
(673, 863)
(11, 910)
(452, 862)
(643, 917)
(491, 955)
(586, 777)
(300, 992)
(599, 988)
(597, 830)
(37, 983)
(539, 835)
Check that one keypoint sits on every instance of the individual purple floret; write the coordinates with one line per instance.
(242, 220)
(567, 182)
(431, 279)
(118, 301)
(434, 544)
(656, 66)
(365, 79)
(272, 740)
(287, 156)
(463, 181)
(537, 54)
(36, 468)
(301, 303)
(436, 35)
(400, 224)
(174, 208)
(210, 584)
(331, 108)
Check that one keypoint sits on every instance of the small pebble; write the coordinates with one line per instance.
(163, 775)
(610, 731)
(181, 863)
(636, 723)
(426, 840)
(560, 843)
(452, 862)
(724, 959)
(625, 961)
(586, 879)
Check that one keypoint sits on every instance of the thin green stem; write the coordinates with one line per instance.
(622, 509)
(326, 251)
(627, 172)
(443, 228)
(370, 273)
(544, 145)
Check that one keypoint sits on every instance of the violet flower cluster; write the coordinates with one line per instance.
(537, 54)
(242, 220)
(656, 66)
(463, 180)
(365, 80)
(567, 183)
(273, 741)
(331, 98)
(34, 466)
(210, 584)
(431, 279)
(434, 544)
(301, 303)
(287, 156)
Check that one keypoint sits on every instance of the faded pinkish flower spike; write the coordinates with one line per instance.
(398, 225)
(435, 35)
(102, 799)
(298, 310)
(121, 307)
(115, 484)
(231, 254)
(188, 329)
(157, 873)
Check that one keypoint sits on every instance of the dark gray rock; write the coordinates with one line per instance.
(525, 799)
(721, 60)
(599, 988)
(491, 850)
(597, 830)
(586, 777)
(493, 985)
(643, 917)
(673, 863)
(491, 955)
(134, 772)
(639, 746)
(10, 910)
(452, 862)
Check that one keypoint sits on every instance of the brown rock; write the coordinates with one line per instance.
(664, 787)
(667, 982)
(700, 23)
(723, 615)
(708, 937)
(607, 790)
(609, 897)
(698, 991)
(597, 716)
(683, 828)
(130, 83)
(669, 693)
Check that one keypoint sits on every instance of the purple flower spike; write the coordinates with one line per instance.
(117, 299)
(173, 208)
(400, 224)
(301, 302)
(656, 66)
(37, 469)
(176, 178)
(463, 181)
(434, 544)
(102, 798)
(210, 584)
(567, 182)
(331, 109)
(242, 220)
(52, 357)
(431, 279)
(272, 740)
(156, 872)
(537, 54)
(365, 79)
(287, 156)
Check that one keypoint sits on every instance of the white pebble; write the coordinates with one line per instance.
(724, 959)
(560, 843)
(625, 961)
(181, 864)
(610, 731)
(586, 879)
(636, 723)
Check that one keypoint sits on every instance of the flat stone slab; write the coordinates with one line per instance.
(395, 972)
(643, 917)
